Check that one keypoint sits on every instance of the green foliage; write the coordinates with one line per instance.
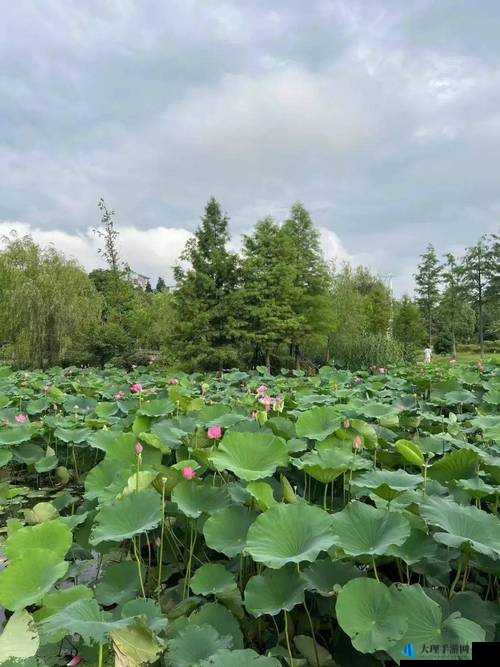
(427, 279)
(48, 305)
(206, 327)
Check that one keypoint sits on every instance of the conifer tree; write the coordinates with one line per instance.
(480, 270)
(268, 279)
(206, 299)
(427, 279)
(312, 282)
(160, 285)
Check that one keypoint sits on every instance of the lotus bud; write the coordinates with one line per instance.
(21, 418)
(347, 424)
(138, 448)
(357, 442)
(136, 388)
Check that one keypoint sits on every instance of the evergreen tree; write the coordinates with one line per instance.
(311, 299)
(427, 279)
(206, 299)
(160, 285)
(455, 316)
(268, 280)
(480, 272)
(148, 287)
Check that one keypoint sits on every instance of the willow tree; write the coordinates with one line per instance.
(47, 305)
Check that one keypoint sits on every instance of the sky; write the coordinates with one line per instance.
(381, 116)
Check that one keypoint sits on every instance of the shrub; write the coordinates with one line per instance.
(368, 350)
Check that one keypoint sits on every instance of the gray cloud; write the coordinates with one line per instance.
(382, 117)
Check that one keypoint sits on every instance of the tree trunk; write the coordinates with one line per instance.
(453, 345)
(268, 361)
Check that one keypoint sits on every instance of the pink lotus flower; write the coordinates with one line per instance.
(173, 381)
(136, 388)
(214, 433)
(262, 389)
(357, 442)
(188, 472)
(21, 418)
(138, 448)
(120, 395)
(75, 660)
(382, 371)
(267, 402)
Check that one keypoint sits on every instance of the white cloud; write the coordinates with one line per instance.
(151, 252)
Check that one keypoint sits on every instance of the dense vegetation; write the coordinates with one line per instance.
(248, 519)
(276, 303)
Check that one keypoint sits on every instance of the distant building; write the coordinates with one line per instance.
(139, 280)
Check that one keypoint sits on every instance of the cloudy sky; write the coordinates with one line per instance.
(382, 117)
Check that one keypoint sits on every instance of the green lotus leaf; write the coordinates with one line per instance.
(365, 611)
(362, 530)
(5, 457)
(135, 644)
(139, 481)
(46, 464)
(318, 423)
(105, 410)
(410, 451)
(289, 533)
(242, 658)
(53, 603)
(226, 530)
(121, 447)
(19, 638)
(476, 488)
(28, 453)
(158, 407)
(314, 653)
(472, 607)
(84, 617)
(16, 434)
(148, 608)
(211, 579)
(73, 435)
(387, 484)
(378, 410)
(250, 456)
(106, 480)
(40, 512)
(462, 464)
(263, 494)
(119, 583)
(51, 534)
(327, 576)
(220, 618)
(463, 525)
(122, 519)
(460, 396)
(26, 580)
(37, 406)
(169, 434)
(194, 644)
(426, 625)
(328, 462)
(489, 424)
(195, 497)
(274, 590)
(418, 547)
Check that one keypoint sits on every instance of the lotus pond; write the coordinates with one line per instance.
(248, 519)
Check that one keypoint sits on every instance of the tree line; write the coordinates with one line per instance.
(276, 303)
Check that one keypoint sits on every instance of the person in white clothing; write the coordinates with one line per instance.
(427, 355)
